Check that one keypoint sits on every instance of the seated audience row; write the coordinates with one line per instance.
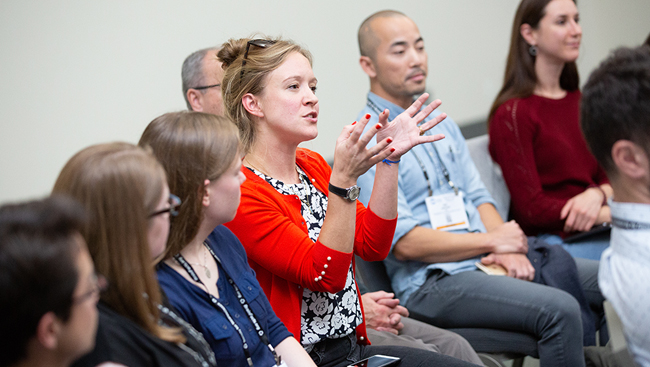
(386, 321)
(447, 222)
(185, 291)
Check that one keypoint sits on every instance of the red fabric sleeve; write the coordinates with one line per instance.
(511, 146)
(270, 227)
(374, 235)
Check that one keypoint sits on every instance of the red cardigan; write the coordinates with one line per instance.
(544, 158)
(274, 234)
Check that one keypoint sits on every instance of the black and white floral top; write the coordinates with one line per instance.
(323, 315)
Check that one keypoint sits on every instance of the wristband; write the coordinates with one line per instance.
(388, 162)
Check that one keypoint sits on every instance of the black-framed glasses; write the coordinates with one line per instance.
(259, 42)
(207, 86)
(174, 203)
(100, 284)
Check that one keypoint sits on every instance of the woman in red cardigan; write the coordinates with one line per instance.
(556, 185)
(299, 239)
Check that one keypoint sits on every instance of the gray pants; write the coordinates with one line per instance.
(416, 334)
(475, 299)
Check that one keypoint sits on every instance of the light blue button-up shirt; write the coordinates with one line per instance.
(408, 276)
(624, 272)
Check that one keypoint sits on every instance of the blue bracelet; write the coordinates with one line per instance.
(388, 162)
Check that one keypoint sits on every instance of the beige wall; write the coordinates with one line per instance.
(75, 73)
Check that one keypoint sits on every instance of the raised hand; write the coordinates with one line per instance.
(351, 156)
(407, 129)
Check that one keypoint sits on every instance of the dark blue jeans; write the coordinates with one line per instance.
(589, 248)
(345, 351)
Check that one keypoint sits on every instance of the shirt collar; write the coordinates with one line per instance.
(384, 104)
(634, 212)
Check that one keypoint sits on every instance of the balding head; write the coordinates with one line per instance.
(393, 57)
(368, 40)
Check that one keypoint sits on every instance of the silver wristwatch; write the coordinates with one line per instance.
(350, 194)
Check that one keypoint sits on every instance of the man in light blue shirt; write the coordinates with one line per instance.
(615, 118)
(433, 271)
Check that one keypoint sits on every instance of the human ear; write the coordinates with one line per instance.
(48, 330)
(630, 159)
(529, 34)
(251, 104)
(367, 66)
(194, 97)
(205, 201)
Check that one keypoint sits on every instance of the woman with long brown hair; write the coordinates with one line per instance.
(300, 220)
(204, 269)
(124, 190)
(556, 185)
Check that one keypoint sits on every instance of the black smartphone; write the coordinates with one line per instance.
(376, 361)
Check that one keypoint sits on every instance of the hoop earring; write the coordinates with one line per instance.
(532, 50)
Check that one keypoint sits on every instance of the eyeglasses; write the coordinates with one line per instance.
(174, 203)
(100, 284)
(261, 43)
(207, 86)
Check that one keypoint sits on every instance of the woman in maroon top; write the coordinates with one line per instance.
(556, 185)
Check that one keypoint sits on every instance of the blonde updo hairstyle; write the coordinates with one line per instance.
(260, 62)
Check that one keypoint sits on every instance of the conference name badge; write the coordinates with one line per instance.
(447, 212)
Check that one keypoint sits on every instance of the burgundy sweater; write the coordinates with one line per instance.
(545, 160)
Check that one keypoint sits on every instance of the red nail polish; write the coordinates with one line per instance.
(354, 123)
(389, 140)
(392, 150)
(367, 116)
(378, 126)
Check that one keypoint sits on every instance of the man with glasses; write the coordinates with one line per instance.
(201, 75)
(48, 287)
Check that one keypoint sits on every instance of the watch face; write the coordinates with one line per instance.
(353, 192)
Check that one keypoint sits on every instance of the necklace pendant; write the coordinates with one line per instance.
(207, 273)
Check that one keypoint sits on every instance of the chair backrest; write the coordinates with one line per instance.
(490, 172)
(617, 341)
(372, 276)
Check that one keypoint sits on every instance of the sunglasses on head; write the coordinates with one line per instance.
(261, 43)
